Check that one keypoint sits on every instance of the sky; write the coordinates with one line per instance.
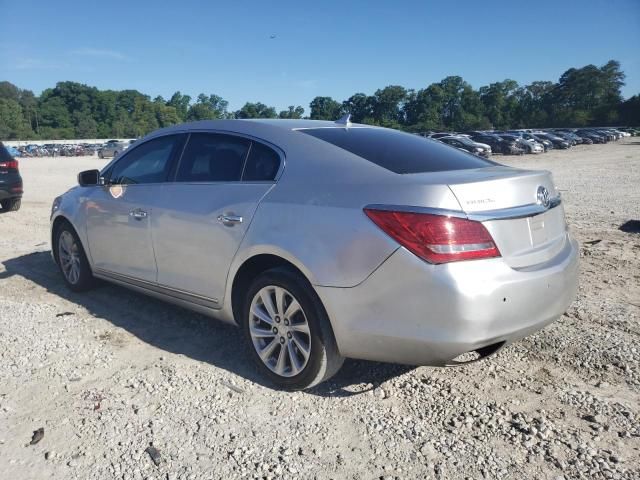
(327, 48)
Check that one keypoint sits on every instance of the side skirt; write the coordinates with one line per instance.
(196, 303)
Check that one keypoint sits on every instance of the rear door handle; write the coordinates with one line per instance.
(229, 219)
(138, 214)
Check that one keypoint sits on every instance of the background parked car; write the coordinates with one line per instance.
(557, 141)
(112, 149)
(465, 143)
(546, 144)
(527, 146)
(10, 181)
(497, 144)
(592, 136)
(572, 139)
(439, 135)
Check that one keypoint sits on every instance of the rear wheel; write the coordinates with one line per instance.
(289, 331)
(11, 204)
(72, 260)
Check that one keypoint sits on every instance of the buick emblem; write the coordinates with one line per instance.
(543, 196)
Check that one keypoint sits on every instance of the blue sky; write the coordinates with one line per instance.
(333, 48)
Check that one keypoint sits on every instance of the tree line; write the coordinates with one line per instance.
(584, 96)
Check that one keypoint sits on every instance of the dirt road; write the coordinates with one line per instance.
(111, 372)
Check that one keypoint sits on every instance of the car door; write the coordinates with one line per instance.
(202, 216)
(118, 214)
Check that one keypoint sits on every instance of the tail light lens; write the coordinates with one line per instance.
(436, 238)
(9, 165)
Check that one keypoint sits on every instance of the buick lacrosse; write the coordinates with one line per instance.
(324, 240)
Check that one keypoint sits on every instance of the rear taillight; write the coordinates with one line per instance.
(436, 238)
(10, 164)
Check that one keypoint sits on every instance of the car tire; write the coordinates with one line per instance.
(71, 259)
(100, 154)
(284, 320)
(115, 154)
(11, 204)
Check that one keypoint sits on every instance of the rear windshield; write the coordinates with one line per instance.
(397, 151)
(4, 154)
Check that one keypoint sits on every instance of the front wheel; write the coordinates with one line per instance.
(289, 331)
(71, 259)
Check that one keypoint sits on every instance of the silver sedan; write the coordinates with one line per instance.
(324, 240)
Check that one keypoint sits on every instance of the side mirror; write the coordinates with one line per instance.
(89, 178)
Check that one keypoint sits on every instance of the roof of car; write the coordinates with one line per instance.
(286, 124)
(293, 124)
(273, 130)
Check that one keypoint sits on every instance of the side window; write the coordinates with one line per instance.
(262, 165)
(146, 163)
(212, 157)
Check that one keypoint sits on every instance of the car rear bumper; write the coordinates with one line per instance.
(411, 312)
(10, 189)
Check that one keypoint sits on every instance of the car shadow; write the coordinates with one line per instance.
(180, 331)
(631, 226)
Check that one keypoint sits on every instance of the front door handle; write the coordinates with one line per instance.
(229, 219)
(138, 214)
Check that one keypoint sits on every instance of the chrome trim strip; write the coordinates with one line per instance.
(512, 213)
(154, 287)
(414, 209)
(483, 216)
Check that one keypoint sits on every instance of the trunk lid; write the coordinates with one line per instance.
(527, 236)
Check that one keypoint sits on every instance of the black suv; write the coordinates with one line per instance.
(10, 182)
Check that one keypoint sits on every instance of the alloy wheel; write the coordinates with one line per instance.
(69, 257)
(280, 331)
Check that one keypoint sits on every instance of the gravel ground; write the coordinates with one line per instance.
(110, 373)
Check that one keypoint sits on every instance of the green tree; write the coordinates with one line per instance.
(588, 95)
(387, 105)
(207, 108)
(500, 103)
(535, 103)
(256, 110)
(165, 114)
(422, 110)
(54, 113)
(9, 91)
(325, 108)
(292, 112)
(360, 106)
(143, 117)
(181, 104)
(13, 125)
(629, 111)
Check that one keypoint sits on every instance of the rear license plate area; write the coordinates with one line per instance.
(538, 230)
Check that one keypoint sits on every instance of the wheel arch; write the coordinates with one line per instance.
(57, 222)
(249, 270)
